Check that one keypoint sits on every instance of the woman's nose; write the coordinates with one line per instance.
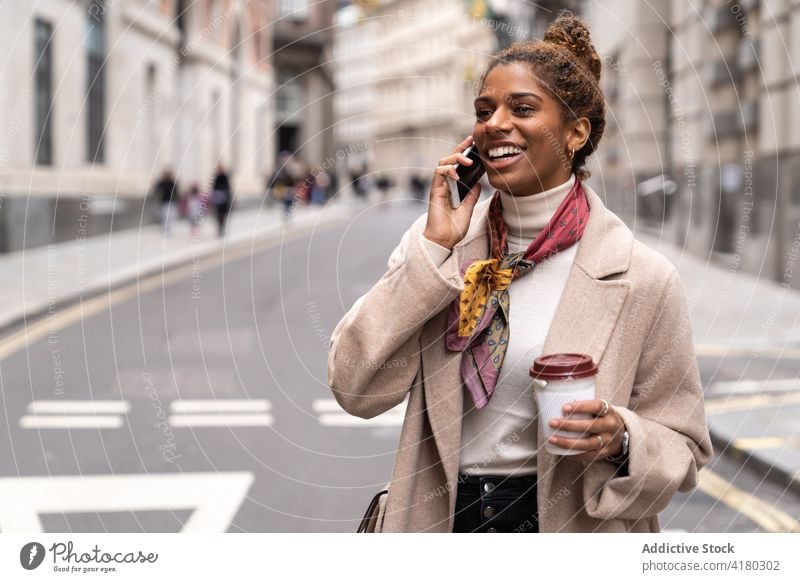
(499, 121)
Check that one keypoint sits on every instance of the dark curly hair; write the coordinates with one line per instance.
(567, 65)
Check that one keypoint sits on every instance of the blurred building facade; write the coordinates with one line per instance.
(415, 66)
(706, 94)
(302, 52)
(355, 69)
(100, 96)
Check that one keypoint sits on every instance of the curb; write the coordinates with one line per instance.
(753, 460)
(127, 275)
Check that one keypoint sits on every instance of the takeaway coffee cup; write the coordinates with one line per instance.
(559, 379)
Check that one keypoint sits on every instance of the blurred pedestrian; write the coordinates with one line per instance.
(282, 183)
(167, 191)
(357, 182)
(303, 194)
(221, 198)
(417, 184)
(183, 205)
(197, 205)
(319, 189)
(384, 184)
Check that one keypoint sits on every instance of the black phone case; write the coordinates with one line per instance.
(468, 176)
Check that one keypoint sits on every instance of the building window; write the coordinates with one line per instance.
(43, 83)
(288, 97)
(95, 82)
(294, 9)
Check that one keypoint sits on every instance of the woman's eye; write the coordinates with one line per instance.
(524, 109)
(483, 113)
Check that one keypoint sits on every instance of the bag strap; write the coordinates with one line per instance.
(373, 504)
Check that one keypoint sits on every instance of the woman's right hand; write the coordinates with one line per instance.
(446, 226)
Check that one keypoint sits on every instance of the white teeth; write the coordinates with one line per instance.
(503, 151)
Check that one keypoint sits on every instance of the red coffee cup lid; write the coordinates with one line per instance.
(562, 367)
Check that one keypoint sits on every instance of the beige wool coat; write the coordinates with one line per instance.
(623, 304)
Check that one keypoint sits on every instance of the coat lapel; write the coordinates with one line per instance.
(590, 306)
(583, 322)
(591, 303)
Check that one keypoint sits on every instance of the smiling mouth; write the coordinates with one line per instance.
(503, 152)
(502, 156)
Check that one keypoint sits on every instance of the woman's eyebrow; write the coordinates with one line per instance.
(518, 95)
(511, 96)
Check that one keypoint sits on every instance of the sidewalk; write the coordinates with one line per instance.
(40, 279)
(731, 309)
(737, 315)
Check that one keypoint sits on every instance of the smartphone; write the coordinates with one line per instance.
(468, 176)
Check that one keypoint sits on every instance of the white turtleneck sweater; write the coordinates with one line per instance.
(501, 438)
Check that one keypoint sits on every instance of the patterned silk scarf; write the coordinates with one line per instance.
(478, 319)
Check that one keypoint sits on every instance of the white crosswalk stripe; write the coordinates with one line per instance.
(220, 413)
(72, 421)
(61, 414)
(218, 405)
(79, 406)
(330, 413)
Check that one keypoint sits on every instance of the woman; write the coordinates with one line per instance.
(557, 272)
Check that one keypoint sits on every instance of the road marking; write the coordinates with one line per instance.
(186, 420)
(345, 419)
(214, 497)
(326, 405)
(331, 414)
(750, 443)
(61, 414)
(745, 402)
(220, 405)
(220, 412)
(728, 351)
(70, 421)
(78, 406)
(765, 515)
(330, 405)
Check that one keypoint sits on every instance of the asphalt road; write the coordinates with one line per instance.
(199, 402)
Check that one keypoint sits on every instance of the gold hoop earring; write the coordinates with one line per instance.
(571, 153)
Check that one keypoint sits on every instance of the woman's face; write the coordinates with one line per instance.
(519, 132)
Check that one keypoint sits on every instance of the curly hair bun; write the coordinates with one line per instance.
(570, 32)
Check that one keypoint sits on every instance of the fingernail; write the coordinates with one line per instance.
(552, 439)
(568, 407)
(553, 423)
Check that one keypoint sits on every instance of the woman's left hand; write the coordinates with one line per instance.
(604, 433)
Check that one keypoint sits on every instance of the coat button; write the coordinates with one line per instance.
(488, 511)
(491, 530)
(488, 487)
